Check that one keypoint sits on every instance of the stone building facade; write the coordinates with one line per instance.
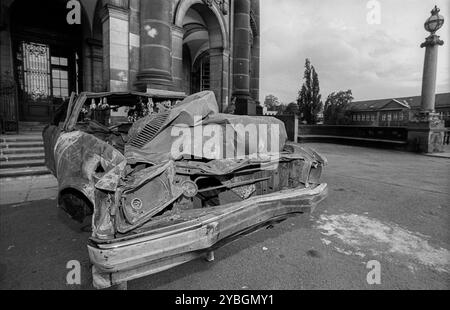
(171, 45)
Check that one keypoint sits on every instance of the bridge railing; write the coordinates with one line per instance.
(365, 132)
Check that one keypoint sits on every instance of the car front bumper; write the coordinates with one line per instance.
(121, 260)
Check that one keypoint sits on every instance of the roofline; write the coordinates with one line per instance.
(355, 104)
(404, 97)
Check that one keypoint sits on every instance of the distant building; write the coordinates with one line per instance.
(269, 113)
(394, 111)
(320, 118)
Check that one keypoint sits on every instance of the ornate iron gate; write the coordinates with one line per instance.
(34, 77)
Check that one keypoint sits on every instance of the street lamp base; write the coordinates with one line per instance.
(426, 132)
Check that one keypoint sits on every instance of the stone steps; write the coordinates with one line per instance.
(29, 137)
(22, 172)
(29, 156)
(22, 163)
(20, 145)
(21, 150)
(22, 155)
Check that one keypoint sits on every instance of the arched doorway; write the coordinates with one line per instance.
(204, 48)
(196, 45)
(47, 56)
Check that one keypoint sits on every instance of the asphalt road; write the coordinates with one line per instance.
(388, 206)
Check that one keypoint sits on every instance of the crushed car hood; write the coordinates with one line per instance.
(152, 139)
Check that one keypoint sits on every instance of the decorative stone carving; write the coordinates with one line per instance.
(253, 24)
(432, 40)
(433, 24)
(123, 4)
(425, 116)
(221, 3)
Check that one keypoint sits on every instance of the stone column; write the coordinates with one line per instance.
(426, 130)
(241, 57)
(135, 42)
(115, 21)
(429, 72)
(255, 52)
(177, 57)
(156, 44)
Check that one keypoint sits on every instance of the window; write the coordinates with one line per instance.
(389, 117)
(373, 117)
(383, 117)
(35, 72)
(201, 73)
(394, 116)
(400, 116)
(59, 61)
(60, 77)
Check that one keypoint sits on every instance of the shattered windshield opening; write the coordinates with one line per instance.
(112, 110)
(110, 117)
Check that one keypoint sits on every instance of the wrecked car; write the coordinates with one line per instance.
(166, 186)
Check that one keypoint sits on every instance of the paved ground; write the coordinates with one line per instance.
(384, 205)
(27, 189)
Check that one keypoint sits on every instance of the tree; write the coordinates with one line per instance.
(291, 109)
(309, 98)
(272, 103)
(335, 107)
(281, 109)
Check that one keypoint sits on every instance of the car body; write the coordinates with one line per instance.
(158, 195)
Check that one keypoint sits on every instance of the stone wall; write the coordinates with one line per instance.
(6, 65)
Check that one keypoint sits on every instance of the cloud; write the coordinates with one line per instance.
(373, 60)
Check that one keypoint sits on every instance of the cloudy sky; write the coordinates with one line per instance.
(374, 61)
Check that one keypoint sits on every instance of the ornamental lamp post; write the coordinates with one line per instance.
(426, 131)
(431, 44)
